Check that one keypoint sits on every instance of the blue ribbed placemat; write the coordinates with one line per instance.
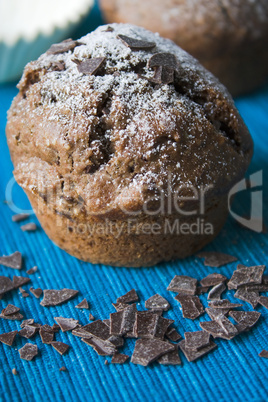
(233, 372)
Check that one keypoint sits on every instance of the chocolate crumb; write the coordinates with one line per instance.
(6, 285)
(108, 29)
(63, 368)
(10, 309)
(106, 362)
(246, 275)
(31, 271)
(102, 347)
(46, 336)
(136, 44)
(83, 304)
(28, 351)
(263, 300)
(12, 261)
(19, 281)
(173, 335)
(28, 331)
(224, 303)
(245, 319)
(213, 280)
(216, 292)
(247, 295)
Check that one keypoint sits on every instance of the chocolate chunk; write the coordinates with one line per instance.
(28, 351)
(119, 306)
(246, 319)
(216, 330)
(148, 350)
(19, 281)
(193, 355)
(10, 309)
(83, 304)
(216, 292)
(12, 261)
(157, 302)
(14, 371)
(12, 317)
(173, 335)
(36, 292)
(224, 303)
(264, 353)
(247, 295)
(216, 312)
(55, 297)
(29, 227)
(185, 285)
(246, 275)
(60, 347)
(214, 259)
(129, 297)
(62, 47)
(191, 306)
(91, 66)
(163, 60)
(28, 331)
(263, 300)
(136, 44)
(196, 340)
(31, 271)
(19, 217)
(96, 329)
(213, 280)
(63, 368)
(103, 348)
(119, 358)
(66, 324)
(8, 337)
(171, 358)
(46, 336)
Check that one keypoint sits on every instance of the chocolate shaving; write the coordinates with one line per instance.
(12, 261)
(28, 351)
(83, 304)
(136, 44)
(246, 275)
(66, 324)
(29, 227)
(171, 358)
(64, 46)
(8, 337)
(213, 280)
(129, 297)
(191, 306)
(193, 355)
(91, 66)
(56, 297)
(60, 347)
(196, 340)
(36, 292)
(184, 285)
(19, 217)
(119, 358)
(148, 350)
(216, 292)
(214, 259)
(157, 302)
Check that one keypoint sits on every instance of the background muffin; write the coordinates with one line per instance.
(106, 129)
(229, 37)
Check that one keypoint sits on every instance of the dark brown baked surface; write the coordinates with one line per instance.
(87, 147)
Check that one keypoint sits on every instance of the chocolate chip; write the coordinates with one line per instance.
(216, 330)
(66, 324)
(83, 304)
(196, 340)
(263, 300)
(19, 217)
(223, 304)
(247, 295)
(28, 351)
(213, 280)
(185, 285)
(246, 275)
(36, 292)
(60, 347)
(173, 335)
(91, 66)
(119, 358)
(157, 302)
(216, 312)
(8, 337)
(103, 348)
(216, 292)
(12, 261)
(20, 281)
(171, 358)
(191, 306)
(136, 44)
(29, 227)
(129, 297)
(28, 331)
(163, 60)
(193, 355)
(31, 271)
(214, 259)
(10, 309)
(55, 297)
(64, 46)
(46, 336)
(264, 353)
(246, 319)
(148, 350)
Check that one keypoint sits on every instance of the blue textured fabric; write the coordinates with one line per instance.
(233, 372)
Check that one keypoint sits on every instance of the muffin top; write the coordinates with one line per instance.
(119, 116)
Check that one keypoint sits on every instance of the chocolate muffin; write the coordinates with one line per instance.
(229, 37)
(126, 147)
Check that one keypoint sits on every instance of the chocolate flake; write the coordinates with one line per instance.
(148, 350)
(224, 303)
(31, 271)
(103, 348)
(157, 302)
(247, 295)
(191, 306)
(12, 261)
(213, 280)
(19, 217)
(119, 358)
(91, 66)
(173, 335)
(216, 292)
(83, 304)
(8, 337)
(264, 353)
(245, 319)
(36, 292)
(60, 347)
(136, 44)
(214, 259)
(10, 309)
(196, 340)
(54, 297)
(29, 227)
(64, 46)
(263, 300)
(171, 358)
(28, 351)
(19, 281)
(185, 285)
(129, 297)
(246, 275)
(46, 336)
(193, 355)
(66, 324)
(28, 331)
